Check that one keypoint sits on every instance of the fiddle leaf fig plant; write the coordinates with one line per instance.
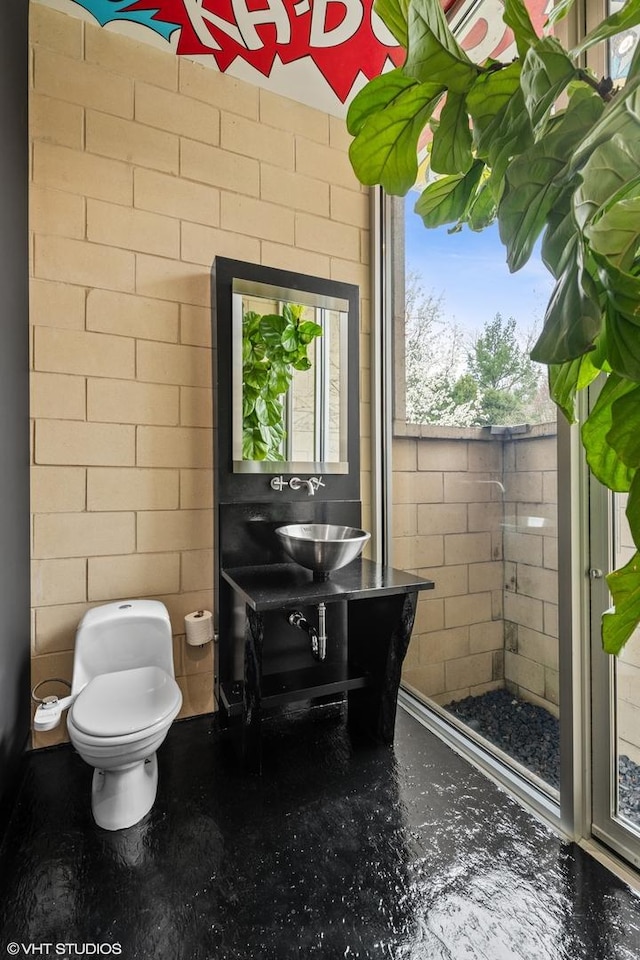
(273, 347)
(552, 153)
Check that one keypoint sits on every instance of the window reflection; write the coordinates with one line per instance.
(622, 47)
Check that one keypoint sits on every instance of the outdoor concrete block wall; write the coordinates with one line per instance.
(447, 509)
(146, 166)
(531, 566)
(628, 684)
(476, 513)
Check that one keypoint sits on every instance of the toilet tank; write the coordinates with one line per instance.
(122, 636)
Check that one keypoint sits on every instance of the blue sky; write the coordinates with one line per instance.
(471, 272)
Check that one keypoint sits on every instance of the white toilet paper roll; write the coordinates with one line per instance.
(198, 627)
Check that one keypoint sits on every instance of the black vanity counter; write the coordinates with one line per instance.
(273, 586)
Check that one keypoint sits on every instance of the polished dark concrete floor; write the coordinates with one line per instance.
(340, 850)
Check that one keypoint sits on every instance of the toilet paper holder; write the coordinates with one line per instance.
(199, 628)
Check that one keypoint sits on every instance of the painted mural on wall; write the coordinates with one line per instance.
(320, 52)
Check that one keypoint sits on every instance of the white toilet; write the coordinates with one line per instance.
(124, 699)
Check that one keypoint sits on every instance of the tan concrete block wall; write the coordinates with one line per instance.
(628, 707)
(492, 618)
(447, 527)
(145, 167)
(531, 567)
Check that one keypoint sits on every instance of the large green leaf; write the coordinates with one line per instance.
(546, 72)
(513, 138)
(433, 54)
(623, 336)
(529, 196)
(615, 235)
(633, 509)
(482, 208)
(308, 331)
(394, 15)
(619, 624)
(624, 435)
(561, 233)
(516, 16)
(622, 291)
(254, 446)
(615, 238)
(534, 182)
(301, 363)
(268, 412)
(446, 200)
(290, 339)
(560, 11)
(609, 168)
(385, 149)
(250, 323)
(279, 378)
(625, 18)
(255, 375)
(375, 96)
(573, 318)
(487, 100)
(292, 312)
(271, 327)
(253, 350)
(451, 147)
(603, 460)
(565, 379)
(620, 116)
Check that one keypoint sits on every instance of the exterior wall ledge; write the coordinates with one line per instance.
(432, 431)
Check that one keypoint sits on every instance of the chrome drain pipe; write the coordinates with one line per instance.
(318, 641)
(322, 631)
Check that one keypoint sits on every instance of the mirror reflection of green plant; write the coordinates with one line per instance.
(274, 346)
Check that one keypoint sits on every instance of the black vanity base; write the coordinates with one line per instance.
(370, 615)
(371, 694)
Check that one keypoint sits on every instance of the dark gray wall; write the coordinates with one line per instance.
(14, 393)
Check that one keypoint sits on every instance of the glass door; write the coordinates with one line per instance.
(615, 718)
(615, 682)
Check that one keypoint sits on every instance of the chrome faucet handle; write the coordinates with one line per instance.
(317, 482)
(279, 483)
(296, 482)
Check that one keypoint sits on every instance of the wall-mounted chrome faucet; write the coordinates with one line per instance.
(312, 484)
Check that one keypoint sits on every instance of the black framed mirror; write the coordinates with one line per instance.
(286, 380)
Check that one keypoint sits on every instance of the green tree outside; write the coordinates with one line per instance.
(490, 381)
(506, 378)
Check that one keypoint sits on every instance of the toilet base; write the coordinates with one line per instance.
(122, 796)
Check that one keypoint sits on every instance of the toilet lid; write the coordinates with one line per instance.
(114, 704)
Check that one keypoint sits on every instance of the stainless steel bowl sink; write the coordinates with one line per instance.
(322, 547)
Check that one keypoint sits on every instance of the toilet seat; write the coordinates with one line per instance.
(126, 705)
